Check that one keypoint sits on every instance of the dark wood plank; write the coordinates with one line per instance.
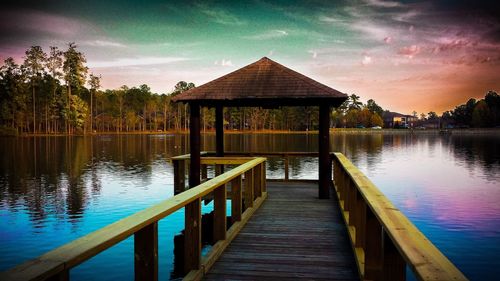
(293, 235)
(146, 253)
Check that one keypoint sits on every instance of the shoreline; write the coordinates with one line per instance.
(468, 131)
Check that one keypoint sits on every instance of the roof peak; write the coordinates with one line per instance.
(260, 82)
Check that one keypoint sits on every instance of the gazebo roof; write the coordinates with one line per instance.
(264, 83)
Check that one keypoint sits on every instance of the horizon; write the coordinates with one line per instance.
(422, 56)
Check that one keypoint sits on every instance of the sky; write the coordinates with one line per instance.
(406, 55)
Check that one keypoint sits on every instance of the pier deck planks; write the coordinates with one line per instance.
(293, 235)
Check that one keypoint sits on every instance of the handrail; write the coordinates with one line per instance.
(143, 224)
(383, 238)
(231, 158)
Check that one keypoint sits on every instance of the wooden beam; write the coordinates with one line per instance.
(236, 200)
(62, 276)
(194, 145)
(146, 253)
(393, 266)
(220, 213)
(192, 236)
(325, 172)
(257, 173)
(219, 130)
(248, 189)
(179, 176)
(373, 247)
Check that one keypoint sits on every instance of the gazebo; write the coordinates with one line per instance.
(264, 83)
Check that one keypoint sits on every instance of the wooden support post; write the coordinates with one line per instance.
(325, 172)
(219, 169)
(287, 171)
(257, 183)
(360, 221)
(373, 247)
(249, 189)
(236, 199)
(263, 167)
(347, 194)
(61, 276)
(219, 131)
(194, 145)
(220, 213)
(192, 236)
(146, 253)
(393, 266)
(353, 212)
(179, 176)
(204, 173)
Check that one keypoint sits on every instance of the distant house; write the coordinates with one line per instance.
(398, 120)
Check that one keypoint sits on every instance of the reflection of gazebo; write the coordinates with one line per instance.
(264, 83)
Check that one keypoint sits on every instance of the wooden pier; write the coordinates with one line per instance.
(278, 230)
(293, 235)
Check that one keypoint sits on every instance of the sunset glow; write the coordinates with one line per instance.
(423, 56)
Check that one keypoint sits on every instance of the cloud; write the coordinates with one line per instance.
(366, 60)
(221, 16)
(103, 43)
(22, 21)
(271, 34)
(224, 62)
(409, 51)
(138, 61)
(313, 53)
(329, 19)
(383, 4)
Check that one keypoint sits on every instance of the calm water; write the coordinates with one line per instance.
(56, 189)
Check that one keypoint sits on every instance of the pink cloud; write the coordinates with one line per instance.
(409, 51)
(40, 22)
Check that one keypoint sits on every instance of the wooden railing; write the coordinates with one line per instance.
(180, 164)
(383, 238)
(55, 265)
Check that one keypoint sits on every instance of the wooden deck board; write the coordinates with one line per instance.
(294, 235)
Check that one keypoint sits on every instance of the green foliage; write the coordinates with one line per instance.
(374, 107)
(75, 71)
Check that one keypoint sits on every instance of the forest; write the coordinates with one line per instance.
(54, 93)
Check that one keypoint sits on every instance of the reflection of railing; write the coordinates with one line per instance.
(383, 238)
(230, 158)
(55, 265)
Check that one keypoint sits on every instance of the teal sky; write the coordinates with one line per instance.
(416, 55)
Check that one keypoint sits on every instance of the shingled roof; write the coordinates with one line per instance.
(263, 83)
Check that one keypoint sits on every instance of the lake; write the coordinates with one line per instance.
(56, 189)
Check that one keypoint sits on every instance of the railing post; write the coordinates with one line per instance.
(286, 167)
(249, 188)
(192, 236)
(393, 266)
(373, 247)
(353, 212)
(360, 221)
(219, 169)
(263, 182)
(257, 183)
(146, 253)
(204, 173)
(236, 199)
(179, 175)
(61, 276)
(220, 213)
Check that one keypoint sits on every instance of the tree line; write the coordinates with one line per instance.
(54, 93)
